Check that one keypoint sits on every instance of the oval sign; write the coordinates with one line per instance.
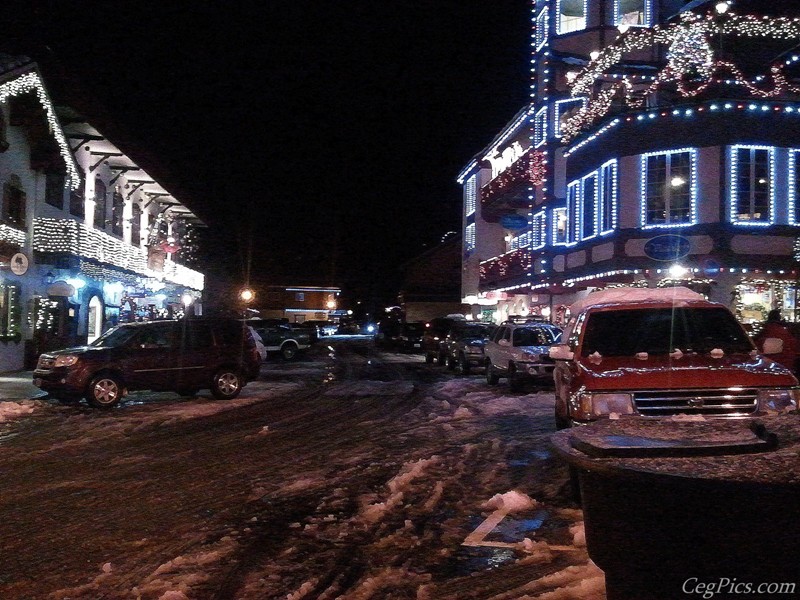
(514, 221)
(667, 247)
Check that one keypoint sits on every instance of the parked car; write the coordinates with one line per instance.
(464, 346)
(648, 353)
(281, 338)
(260, 347)
(409, 337)
(436, 331)
(309, 328)
(520, 352)
(181, 356)
(323, 327)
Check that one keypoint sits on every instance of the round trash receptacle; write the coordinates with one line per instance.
(673, 507)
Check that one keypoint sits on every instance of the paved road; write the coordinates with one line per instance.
(347, 474)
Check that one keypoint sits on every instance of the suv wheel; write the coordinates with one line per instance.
(428, 358)
(492, 378)
(451, 363)
(104, 391)
(515, 382)
(462, 366)
(288, 351)
(227, 384)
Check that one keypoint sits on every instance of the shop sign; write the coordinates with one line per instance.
(667, 247)
(514, 221)
(155, 259)
(494, 295)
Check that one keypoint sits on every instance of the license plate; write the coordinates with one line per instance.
(417, 345)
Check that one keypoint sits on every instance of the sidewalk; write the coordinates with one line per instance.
(18, 385)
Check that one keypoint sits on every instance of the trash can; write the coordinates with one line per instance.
(673, 507)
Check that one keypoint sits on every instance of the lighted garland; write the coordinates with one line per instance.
(530, 168)
(512, 263)
(31, 82)
(11, 333)
(691, 66)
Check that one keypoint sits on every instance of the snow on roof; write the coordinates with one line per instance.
(674, 295)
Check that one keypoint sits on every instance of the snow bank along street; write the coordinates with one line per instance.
(350, 474)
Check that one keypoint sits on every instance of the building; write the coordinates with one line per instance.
(87, 237)
(430, 282)
(661, 146)
(300, 303)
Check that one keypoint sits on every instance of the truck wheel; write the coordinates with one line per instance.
(492, 378)
(515, 382)
(104, 391)
(227, 384)
(288, 351)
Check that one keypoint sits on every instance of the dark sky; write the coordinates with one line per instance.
(319, 139)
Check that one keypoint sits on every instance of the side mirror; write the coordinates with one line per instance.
(772, 346)
(504, 342)
(561, 352)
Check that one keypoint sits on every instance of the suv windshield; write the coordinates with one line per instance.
(114, 338)
(663, 330)
(531, 337)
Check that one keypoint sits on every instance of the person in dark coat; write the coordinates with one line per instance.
(776, 328)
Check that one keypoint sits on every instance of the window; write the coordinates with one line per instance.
(54, 189)
(300, 296)
(136, 225)
(560, 227)
(10, 314)
(668, 189)
(571, 15)
(542, 23)
(540, 125)
(565, 110)
(99, 204)
(522, 240)
(588, 207)
(794, 187)
(76, 206)
(538, 230)
(14, 203)
(470, 196)
(607, 202)
(634, 13)
(469, 238)
(752, 188)
(117, 213)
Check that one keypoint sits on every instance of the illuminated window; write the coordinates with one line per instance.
(560, 227)
(794, 187)
(571, 15)
(542, 23)
(668, 188)
(117, 213)
(136, 225)
(300, 296)
(752, 189)
(469, 238)
(607, 201)
(523, 240)
(99, 204)
(588, 207)
(566, 109)
(634, 13)
(470, 196)
(540, 127)
(538, 230)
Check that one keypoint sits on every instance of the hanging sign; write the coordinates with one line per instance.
(667, 247)
(19, 264)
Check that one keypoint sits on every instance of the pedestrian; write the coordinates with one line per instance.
(775, 328)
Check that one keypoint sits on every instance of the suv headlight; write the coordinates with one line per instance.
(780, 400)
(65, 360)
(600, 405)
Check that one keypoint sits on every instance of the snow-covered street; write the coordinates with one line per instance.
(348, 474)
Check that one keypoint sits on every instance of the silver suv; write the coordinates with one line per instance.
(520, 352)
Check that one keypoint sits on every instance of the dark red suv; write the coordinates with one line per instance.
(181, 356)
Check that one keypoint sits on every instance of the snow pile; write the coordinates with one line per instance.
(578, 532)
(510, 502)
(397, 486)
(13, 410)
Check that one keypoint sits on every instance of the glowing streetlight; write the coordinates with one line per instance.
(722, 7)
(247, 295)
(187, 300)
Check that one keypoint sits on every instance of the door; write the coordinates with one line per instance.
(149, 357)
(196, 355)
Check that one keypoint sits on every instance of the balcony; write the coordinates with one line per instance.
(507, 269)
(71, 237)
(513, 188)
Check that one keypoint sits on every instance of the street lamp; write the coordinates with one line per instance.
(247, 295)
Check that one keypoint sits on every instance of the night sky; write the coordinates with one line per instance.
(319, 140)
